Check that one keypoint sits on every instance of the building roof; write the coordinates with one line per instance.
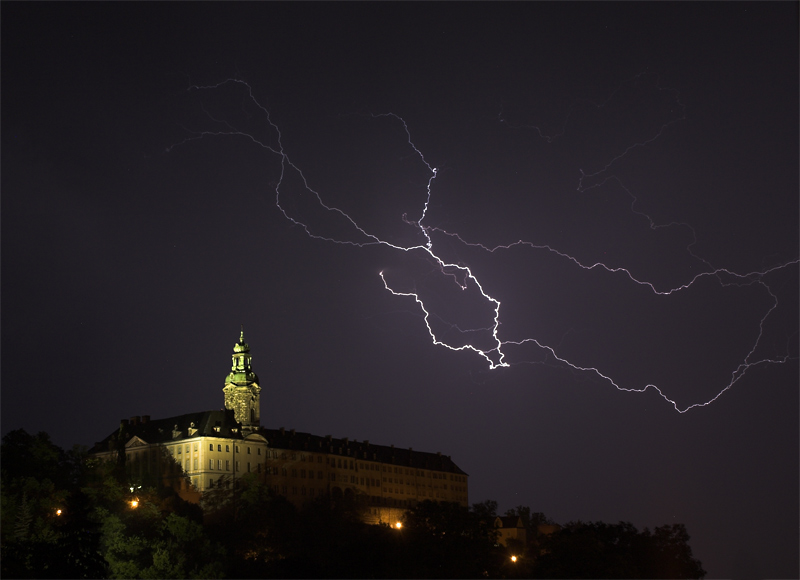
(508, 522)
(223, 424)
(290, 439)
(202, 424)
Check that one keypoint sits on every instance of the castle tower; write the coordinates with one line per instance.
(242, 393)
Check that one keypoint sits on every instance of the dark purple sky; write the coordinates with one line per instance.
(657, 138)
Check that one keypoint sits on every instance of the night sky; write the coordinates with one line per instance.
(146, 215)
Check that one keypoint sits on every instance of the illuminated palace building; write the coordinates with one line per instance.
(197, 452)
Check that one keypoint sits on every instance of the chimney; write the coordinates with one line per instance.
(145, 418)
(135, 420)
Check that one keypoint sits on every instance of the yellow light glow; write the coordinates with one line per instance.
(398, 525)
(134, 503)
(513, 558)
(58, 512)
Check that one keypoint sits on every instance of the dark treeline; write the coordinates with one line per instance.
(66, 515)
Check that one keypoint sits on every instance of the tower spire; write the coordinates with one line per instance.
(242, 392)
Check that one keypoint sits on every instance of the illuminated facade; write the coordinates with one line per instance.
(199, 451)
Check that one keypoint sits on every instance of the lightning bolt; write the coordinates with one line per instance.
(462, 275)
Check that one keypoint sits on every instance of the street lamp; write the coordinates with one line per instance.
(134, 503)
(513, 558)
(398, 525)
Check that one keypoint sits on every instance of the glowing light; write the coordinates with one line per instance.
(58, 512)
(398, 525)
(134, 503)
(513, 558)
(491, 347)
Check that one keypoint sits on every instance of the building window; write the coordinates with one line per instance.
(186, 466)
(248, 450)
(227, 465)
(211, 447)
(283, 471)
(211, 482)
(294, 473)
(219, 447)
(179, 449)
(237, 466)
(248, 467)
(237, 449)
(227, 449)
(211, 464)
(319, 475)
(195, 463)
(259, 450)
(319, 459)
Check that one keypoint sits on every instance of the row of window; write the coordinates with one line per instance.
(227, 448)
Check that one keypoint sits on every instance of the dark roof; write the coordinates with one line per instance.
(174, 428)
(161, 431)
(509, 522)
(289, 439)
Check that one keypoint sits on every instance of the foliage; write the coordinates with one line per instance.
(447, 540)
(600, 550)
(243, 530)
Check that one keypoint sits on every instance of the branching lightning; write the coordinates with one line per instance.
(462, 275)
